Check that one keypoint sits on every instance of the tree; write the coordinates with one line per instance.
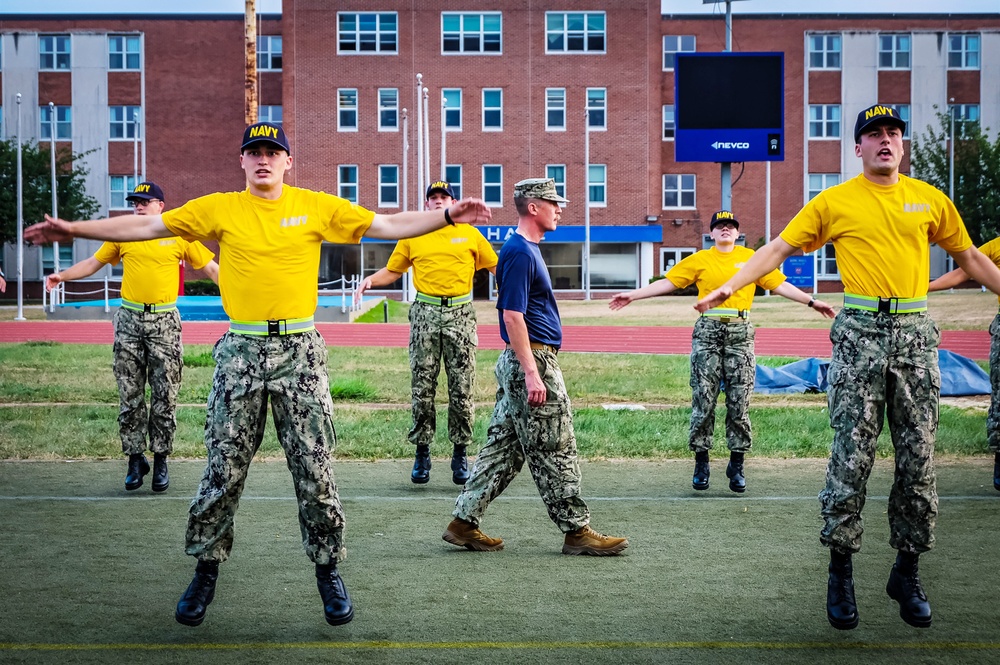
(36, 169)
(977, 172)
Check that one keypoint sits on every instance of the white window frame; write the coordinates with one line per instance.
(971, 58)
(826, 50)
(358, 33)
(463, 33)
(343, 107)
(64, 121)
(272, 113)
(117, 195)
(822, 114)
(821, 181)
(597, 183)
(564, 32)
(551, 107)
(904, 115)
(125, 117)
(551, 171)
(451, 111)
(269, 53)
(383, 183)
(125, 53)
(674, 44)
(680, 253)
(964, 113)
(685, 184)
(450, 171)
(822, 260)
(344, 187)
(386, 105)
(669, 122)
(493, 203)
(59, 49)
(894, 50)
(597, 104)
(497, 108)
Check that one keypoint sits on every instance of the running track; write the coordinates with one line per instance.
(794, 342)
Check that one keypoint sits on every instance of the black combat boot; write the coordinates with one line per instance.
(422, 465)
(138, 467)
(737, 481)
(841, 607)
(161, 479)
(701, 470)
(996, 473)
(336, 603)
(904, 587)
(192, 605)
(459, 466)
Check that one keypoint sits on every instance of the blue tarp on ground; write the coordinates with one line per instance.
(959, 376)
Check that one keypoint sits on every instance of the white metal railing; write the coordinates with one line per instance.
(346, 286)
(58, 295)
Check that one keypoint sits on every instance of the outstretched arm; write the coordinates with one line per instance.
(411, 224)
(795, 294)
(126, 228)
(978, 266)
(383, 277)
(948, 280)
(84, 268)
(762, 262)
(658, 288)
(212, 270)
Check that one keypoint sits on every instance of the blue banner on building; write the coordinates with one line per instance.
(799, 271)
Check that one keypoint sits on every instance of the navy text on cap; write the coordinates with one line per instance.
(440, 186)
(265, 132)
(878, 114)
(145, 191)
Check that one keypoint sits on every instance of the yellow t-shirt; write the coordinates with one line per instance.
(992, 252)
(269, 250)
(151, 273)
(710, 269)
(882, 234)
(444, 261)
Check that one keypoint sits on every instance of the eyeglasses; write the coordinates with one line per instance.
(725, 225)
(141, 203)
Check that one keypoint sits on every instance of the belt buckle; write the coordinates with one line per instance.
(444, 301)
(273, 328)
(885, 305)
(147, 308)
(724, 319)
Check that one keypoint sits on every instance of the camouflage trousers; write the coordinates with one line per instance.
(442, 333)
(147, 348)
(543, 435)
(291, 371)
(882, 365)
(993, 417)
(721, 353)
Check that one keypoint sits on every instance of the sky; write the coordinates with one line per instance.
(668, 6)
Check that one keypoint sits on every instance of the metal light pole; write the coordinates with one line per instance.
(55, 207)
(951, 151)
(444, 140)
(20, 220)
(427, 141)
(420, 138)
(586, 209)
(135, 148)
(406, 152)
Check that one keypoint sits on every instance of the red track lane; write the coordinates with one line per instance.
(794, 342)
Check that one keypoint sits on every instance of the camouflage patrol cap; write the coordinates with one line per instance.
(538, 188)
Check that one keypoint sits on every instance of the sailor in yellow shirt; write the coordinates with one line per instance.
(722, 344)
(884, 359)
(990, 250)
(442, 326)
(269, 239)
(147, 335)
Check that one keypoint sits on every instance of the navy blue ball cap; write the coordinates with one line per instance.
(723, 216)
(146, 191)
(265, 132)
(440, 186)
(879, 114)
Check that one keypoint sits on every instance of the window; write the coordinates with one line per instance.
(453, 112)
(492, 109)
(124, 122)
(121, 186)
(53, 52)
(65, 258)
(347, 182)
(668, 122)
(555, 109)
(388, 186)
(674, 44)
(824, 121)
(388, 109)
(820, 181)
(963, 51)
(904, 115)
(347, 109)
(123, 52)
(493, 185)
(597, 185)
(272, 114)
(893, 51)
(964, 113)
(64, 122)
(269, 53)
(597, 104)
(826, 261)
(671, 256)
(574, 32)
(614, 265)
(558, 173)
(453, 174)
(678, 190)
(824, 51)
(463, 32)
(366, 33)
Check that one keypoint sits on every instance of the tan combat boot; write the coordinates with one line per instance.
(467, 535)
(588, 541)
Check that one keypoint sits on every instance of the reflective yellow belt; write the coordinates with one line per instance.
(152, 308)
(725, 314)
(885, 305)
(443, 301)
(276, 328)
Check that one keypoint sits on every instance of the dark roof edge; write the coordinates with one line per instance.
(895, 15)
(131, 17)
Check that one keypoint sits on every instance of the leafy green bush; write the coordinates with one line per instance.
(201, 287)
